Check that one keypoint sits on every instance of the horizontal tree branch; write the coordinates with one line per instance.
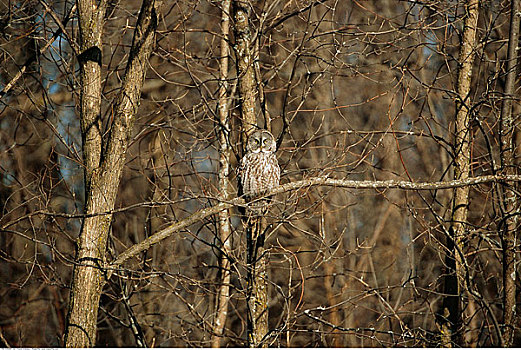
(296, 185)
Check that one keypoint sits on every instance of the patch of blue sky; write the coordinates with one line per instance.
(70, 170)
(51, 65)
(204, 161)
(7, 175)
(430, 43)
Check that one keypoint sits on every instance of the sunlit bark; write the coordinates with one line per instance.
(102, 171)
(455, 280)
(225, 231)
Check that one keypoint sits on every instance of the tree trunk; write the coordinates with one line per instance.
(455, 281)
(256, 261)
(102, 171)
(258, 299)
(86, 285)
(224, 169)
(509, 197)
(245, 68)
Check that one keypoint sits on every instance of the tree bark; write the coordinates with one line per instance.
(245, 68)
(455, 280)
(509, 197)
(257, 283)
(102, 171)
(224, 169)
(86, 285)
(256, 261)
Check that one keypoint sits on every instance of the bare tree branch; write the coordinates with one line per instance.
(303, 184)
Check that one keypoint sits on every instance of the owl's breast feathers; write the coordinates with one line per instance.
(259, 172)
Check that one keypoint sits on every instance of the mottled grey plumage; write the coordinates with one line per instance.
(259, 170)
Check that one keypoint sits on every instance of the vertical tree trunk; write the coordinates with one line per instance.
(224, 168)
(257, 291)
(259, 295)
(102, 172)
(91, 23)
(454, 284)
(245, 68)
(86, 286)
(509, 193)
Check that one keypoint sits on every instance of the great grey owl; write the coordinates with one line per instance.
(259, 170)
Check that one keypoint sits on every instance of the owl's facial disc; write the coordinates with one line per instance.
(266, 142)
(265, 147)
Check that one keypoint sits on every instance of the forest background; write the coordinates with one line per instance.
(121, 127)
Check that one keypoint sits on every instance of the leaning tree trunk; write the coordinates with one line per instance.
(256, 261)
(509, 198)
(455, 280)
(86, 286)
(225, 231)
(102, 171)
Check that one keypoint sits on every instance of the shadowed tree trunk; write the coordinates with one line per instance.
(102, 171)
(510, 201)
(454, 280)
